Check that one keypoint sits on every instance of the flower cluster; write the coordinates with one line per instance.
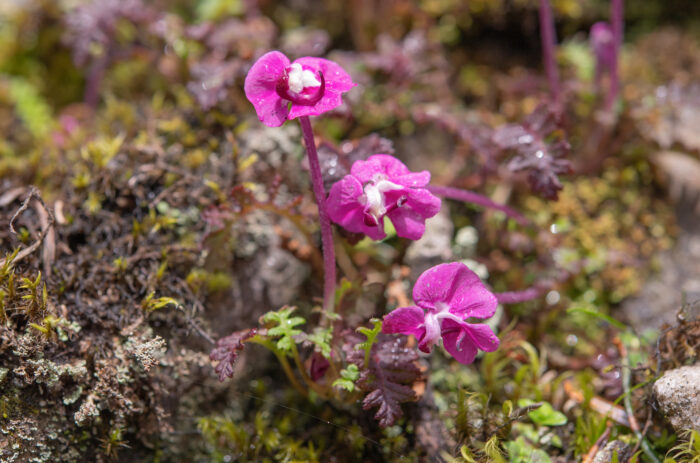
(378, 187)
(446, 296)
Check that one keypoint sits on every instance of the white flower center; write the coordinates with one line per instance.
(433, 323)
(299, 78)
(374, 198)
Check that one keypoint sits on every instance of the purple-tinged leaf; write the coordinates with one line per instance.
(226, 352)
(337, 161)
(390, 375)
(212, 80)
(91, 28)
(539, 147)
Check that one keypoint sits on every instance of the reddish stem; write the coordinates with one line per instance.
(475, 198)
(515, 297)
(549, 40)
(326, 230)
(617, 24)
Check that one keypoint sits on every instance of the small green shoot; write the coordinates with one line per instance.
(371, 335)
(347, 379)
(545, 414)
(150, 303)
(284, 327)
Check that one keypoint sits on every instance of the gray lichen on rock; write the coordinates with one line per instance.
(678, 395)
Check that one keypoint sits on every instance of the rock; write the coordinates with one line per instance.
(435, 247)
(678, 279)
(678, 395)
(606, 454)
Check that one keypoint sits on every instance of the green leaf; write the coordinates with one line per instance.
(285, 327)
(321, 338)
(545, 415)
(31, 106)
(347, 379)
(371, 335)
(595, 313)
(520, 451)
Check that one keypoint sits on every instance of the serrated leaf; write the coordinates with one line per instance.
(347, 379)
(389, 375)
(321, 339)
(285, 327)
(370, 337)
(540, 147)
(226, 352)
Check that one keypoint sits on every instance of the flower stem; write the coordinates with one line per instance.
(548, 39)
(617, 24)
(325, 221)
(302, 371)
(283, 361)
(475, 198)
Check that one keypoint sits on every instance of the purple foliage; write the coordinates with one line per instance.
(226, 352)
(337, 161)
(305, 42)
(389, 377)
(91, 27)
(539, 147)
(212, 79)
(231, 45)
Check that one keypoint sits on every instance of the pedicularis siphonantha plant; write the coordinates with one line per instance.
(378, 361)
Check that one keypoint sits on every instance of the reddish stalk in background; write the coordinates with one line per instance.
(325, 221)
(617, 24)
(549, 42)
(475, 198)
(516, 297)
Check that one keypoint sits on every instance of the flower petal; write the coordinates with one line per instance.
(382, 164)
(420, 200)
(344, 208)
(408, 223)
(337, 82)
(405, 320)
(458, 287)
(464, 340)
(260, 88)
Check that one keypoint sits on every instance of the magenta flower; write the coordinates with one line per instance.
(307, 87)
(382, 186)
(603, 44)
(446, 295)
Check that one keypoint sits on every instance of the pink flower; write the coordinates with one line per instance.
(382, 186)
(603, 44)
(307, 87)
(446, 295)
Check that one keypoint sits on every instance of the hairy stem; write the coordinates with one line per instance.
(325, 221)
(549, 39)
(616, 23)
(475, 198)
